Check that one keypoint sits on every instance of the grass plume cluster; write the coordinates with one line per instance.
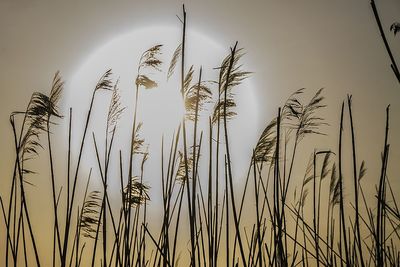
(314, 227)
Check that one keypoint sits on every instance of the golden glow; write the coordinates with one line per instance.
(160, 109)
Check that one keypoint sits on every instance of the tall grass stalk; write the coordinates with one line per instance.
(254, 222)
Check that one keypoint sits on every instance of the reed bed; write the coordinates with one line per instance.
(313, 222)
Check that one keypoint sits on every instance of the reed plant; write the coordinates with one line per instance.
(324, 223)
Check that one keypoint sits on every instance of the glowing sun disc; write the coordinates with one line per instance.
(160, 109)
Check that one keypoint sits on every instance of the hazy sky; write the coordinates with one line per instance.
(290, 44)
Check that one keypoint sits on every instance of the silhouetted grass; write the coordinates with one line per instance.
(279, 230)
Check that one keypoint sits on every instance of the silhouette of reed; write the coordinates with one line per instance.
(284, 230)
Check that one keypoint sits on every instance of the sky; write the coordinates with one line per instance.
(289, 45)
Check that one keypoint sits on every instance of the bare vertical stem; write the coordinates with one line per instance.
(342, 215)
(355, 178)
(379, 233)
(393, 64)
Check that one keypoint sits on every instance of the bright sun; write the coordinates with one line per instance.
(160, 109)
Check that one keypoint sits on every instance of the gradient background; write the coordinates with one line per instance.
(289, 45)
